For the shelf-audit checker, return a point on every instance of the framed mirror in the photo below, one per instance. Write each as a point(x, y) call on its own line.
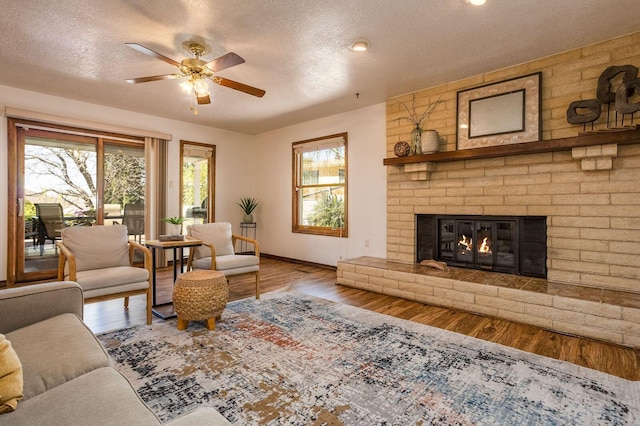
point(501, 113)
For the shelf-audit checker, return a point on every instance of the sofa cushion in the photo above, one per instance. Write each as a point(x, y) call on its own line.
point(100, 397)
point(97, 247)
point(55, 351)
point(219, 234)
point(10, 377)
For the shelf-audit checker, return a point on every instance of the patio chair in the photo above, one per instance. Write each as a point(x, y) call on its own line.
point(218, 252)
point(50, 223)
point(133, 219)
point(100, 260)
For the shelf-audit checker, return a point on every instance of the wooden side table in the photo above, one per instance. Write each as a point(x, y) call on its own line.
point(175, 246)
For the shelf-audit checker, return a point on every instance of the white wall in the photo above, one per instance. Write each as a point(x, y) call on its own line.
point(233, 152)
point(366, 129)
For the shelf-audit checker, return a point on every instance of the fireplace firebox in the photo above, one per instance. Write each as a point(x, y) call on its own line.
point(510, 244)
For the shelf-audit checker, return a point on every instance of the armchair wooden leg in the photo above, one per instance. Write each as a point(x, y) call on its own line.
point(126, 302)
point(149, 313)
point(257, 285)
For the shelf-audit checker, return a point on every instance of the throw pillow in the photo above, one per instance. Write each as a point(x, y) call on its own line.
point(10, 377)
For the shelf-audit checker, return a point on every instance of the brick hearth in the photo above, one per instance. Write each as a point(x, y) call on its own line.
point(599, 313)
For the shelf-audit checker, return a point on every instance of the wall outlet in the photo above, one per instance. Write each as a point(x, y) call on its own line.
point(366, 242)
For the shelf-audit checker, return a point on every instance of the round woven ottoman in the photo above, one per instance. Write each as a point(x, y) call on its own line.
point(200, 295)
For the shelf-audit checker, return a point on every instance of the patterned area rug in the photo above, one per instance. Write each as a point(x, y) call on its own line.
point(294, 359)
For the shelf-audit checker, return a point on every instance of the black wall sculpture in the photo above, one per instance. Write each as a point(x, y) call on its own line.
point(588, 111)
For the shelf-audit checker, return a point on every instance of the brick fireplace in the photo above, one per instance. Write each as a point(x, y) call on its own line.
point(585, 185)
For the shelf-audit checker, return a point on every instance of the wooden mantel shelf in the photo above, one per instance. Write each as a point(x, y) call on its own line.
point(626, 135)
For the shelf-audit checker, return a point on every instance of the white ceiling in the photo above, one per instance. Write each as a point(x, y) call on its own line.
point(296, 50)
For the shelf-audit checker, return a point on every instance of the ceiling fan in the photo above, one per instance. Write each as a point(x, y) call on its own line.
point(196, 71)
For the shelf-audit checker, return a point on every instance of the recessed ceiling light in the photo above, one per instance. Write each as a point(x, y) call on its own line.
point(476, 2)
point(360, 46)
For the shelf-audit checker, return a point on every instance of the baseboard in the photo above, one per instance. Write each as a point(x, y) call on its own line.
point(300, 262)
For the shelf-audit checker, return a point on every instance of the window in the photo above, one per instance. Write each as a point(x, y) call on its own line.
point(320, 186)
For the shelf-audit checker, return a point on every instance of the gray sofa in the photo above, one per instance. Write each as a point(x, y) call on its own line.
point(68, 376)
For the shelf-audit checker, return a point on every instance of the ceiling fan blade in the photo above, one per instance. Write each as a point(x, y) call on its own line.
point(146, 51)
point(225, 61)
point(153, 78)
point(239, 86)
point(203, 100)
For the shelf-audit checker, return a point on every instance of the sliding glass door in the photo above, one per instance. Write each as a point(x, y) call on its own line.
point(64, 180)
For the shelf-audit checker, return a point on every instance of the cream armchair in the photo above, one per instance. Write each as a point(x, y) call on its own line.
point(218, 252)
point(100, 260)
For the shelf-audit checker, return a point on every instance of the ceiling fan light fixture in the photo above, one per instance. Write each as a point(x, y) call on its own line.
point(360, 46)
point(187, 86)
point(201, 87)
point(196, 72)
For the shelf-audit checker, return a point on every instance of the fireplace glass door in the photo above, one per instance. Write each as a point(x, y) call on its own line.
point(465, 239)
point(505, 244)
point(485, 244)
point(510, 244)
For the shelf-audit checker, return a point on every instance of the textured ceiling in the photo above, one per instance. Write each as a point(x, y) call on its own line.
point(296, 50)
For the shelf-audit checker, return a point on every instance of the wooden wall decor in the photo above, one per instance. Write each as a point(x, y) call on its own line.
point(589, 110)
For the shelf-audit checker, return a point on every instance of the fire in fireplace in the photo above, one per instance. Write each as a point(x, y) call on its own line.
point(511, 244)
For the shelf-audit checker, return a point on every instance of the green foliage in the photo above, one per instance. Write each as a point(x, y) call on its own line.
point(124, 179)
point(174, 220)
point(328, 212)
point(248, 204)
point(29, 210)
point(188, 190)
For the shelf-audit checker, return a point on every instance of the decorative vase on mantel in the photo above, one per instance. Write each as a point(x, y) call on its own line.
point(430, 141)
point(416, 140)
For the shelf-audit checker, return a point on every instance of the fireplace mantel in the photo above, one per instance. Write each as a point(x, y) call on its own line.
point(626, 135)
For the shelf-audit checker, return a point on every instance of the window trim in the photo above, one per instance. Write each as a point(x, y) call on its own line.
point(306, 146)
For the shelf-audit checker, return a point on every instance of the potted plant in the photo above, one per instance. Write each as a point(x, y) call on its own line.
point(173, 225)
point(248, 205)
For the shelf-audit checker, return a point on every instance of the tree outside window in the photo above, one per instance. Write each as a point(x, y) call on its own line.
point(320, 186)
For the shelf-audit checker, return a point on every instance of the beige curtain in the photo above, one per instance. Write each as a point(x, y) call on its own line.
point(156, 181)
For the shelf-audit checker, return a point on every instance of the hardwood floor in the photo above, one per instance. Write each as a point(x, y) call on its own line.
point(318, 281)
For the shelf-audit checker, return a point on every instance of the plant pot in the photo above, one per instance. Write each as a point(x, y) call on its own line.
point(248, 218)
point(430, 141)
point(173, 229)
